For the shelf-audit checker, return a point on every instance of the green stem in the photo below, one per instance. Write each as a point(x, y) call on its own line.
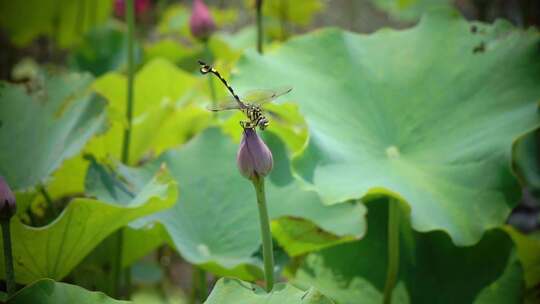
point(130, 75)
point(127, 279)
point(198, 285)
point(393, 250)
point(49, 200)
point(284, 19)
point(268, 257)
point(117, 264)
point(201, 284)
point(259, 26)
point(8, 257)
point(130, 18)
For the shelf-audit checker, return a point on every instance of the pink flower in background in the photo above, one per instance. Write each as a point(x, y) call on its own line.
point(201, 22)
point(141, 7)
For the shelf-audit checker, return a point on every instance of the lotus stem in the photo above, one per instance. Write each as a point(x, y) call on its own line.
point(268, 256)
point(8, 257)
point(393, 250)
point(260, 32)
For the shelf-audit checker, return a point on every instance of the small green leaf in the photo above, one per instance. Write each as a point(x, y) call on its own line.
point(239, 292)
point(53, 250)
point(47, 291)
point(42, 128)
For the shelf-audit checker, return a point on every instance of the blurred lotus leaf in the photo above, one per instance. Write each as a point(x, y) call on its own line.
point(47, 291)
point(54, 250)
point(163, 101)
point(45, 122)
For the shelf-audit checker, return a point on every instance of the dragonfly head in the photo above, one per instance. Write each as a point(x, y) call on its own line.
point(204, 68)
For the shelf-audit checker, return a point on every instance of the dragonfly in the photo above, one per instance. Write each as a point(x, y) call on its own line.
point(250, 104)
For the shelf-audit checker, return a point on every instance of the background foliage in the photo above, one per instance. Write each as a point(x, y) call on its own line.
point(433, 104)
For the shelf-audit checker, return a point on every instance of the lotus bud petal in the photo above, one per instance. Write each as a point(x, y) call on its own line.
point(201, 22)
point(7, 201)
point(254, 159)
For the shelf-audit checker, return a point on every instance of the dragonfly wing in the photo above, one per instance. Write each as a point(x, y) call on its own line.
point(225, 106)
point(264, 96)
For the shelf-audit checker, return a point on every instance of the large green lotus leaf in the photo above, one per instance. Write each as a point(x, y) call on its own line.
point(410, 10)
point(53, 250)
point(65, 21)
point(47, 291)
point(161, 102)
point(239, 292)
point(215, 221)
point(431, 267)
point(43, 127)
point(427, 115)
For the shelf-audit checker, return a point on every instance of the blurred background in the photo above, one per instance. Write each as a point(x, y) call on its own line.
point(90, 36)
point(60, 32)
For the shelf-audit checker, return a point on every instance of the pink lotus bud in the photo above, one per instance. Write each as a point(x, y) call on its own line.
point(201, 22)
point(7, 201)
point(254, 159)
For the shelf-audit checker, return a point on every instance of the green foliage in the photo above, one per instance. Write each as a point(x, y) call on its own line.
point(296, 12)
point(103, 49)
point(528, 249)
point(431, 267)
point(215, 220)
point(45, 123)
point(162, 101)
point(53, 250)
point(236, 291)
point(63, 21)
point(47, 291)
point(420, 115)
point(411, 10)
point(526, 162)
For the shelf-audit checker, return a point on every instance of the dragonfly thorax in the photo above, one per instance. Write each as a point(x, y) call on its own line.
point(255, 116)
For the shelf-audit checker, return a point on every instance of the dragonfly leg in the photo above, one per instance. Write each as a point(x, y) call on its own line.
point(247, 124)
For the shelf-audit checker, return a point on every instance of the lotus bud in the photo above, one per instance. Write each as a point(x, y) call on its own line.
point(7, 201)
point(201, 22)
point(254, 159)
